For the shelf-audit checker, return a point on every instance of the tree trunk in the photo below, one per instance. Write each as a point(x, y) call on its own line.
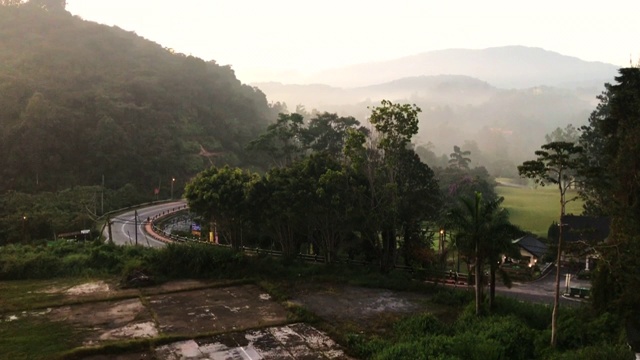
point(556, 297)
point(388, 250)
point(478, 278)
point(492, 285)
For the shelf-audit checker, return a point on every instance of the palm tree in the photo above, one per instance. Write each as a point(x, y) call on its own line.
point(485, 233)
point(458, 158)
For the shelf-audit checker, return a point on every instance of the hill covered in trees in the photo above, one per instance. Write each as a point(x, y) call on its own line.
point(79, 100)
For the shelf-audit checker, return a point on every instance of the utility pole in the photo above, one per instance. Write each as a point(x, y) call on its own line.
point(24, 228)
point(109, 225)
point(102, 197)
point(135, 220)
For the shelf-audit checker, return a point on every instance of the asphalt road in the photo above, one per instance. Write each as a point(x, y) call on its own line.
point(542, 290)
point(124, 230)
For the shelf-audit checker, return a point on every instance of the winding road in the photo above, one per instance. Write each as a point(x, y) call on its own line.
point(125, 232)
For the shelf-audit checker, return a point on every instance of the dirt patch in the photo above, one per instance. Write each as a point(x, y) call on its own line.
point(89, 288)
point(174, 286)
point(216, 309)
point(108, 320)
point(359, 304)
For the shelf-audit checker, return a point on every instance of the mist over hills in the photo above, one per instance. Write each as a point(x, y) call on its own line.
point(504, 67)
point(498, 102)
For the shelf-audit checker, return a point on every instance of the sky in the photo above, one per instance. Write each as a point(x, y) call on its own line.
point(287, 40)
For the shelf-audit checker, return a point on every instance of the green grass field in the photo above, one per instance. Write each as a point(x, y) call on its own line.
point(534, 209)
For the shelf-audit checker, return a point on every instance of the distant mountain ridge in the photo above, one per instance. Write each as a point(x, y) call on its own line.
point(439, 88)
point(505, 67)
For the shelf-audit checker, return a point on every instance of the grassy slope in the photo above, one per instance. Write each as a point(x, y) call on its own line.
point(534, 209)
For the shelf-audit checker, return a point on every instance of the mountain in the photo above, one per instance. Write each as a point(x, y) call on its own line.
point(440, 88)
point(505, 67)
point(79, 100)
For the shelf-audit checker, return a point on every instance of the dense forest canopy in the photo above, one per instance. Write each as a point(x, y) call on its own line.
point(80, 100)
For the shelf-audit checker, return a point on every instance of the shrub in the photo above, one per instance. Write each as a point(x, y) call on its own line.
point(453, 297)
point(195, 261)
point(605, 351)
point(536, 316)
point(76, 264)
point(365, 348)
point(419, 326)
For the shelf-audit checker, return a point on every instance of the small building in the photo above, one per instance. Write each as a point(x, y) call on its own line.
point(579, 235)
point(532, 250)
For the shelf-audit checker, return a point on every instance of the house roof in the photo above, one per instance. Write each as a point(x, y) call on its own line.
point(585, 228)
point(532, 245)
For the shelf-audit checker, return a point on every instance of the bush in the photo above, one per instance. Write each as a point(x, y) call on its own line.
point(453, 297)
point(474, 347)
point(419, 326)
point(365, 348)
point(536, 316)
point(76, 264)
point(195, 261)
point(578, 328)
point(606, 351)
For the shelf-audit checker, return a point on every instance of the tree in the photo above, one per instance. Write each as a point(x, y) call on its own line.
point(458, 159)
point(280, 201)
point(420, 203)
point(483, 229)
point(611, 186)
point(283, 141)
point(568, 134)
point(395, 125)
point(221, 196)
point(50, 5)
point(556, 164)
point(327, 133)
point(11, 2)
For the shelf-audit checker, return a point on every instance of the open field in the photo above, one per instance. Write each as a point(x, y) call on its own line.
point(534, 209)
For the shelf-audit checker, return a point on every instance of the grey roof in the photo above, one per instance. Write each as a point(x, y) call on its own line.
point(585, 228)
point(532, 245)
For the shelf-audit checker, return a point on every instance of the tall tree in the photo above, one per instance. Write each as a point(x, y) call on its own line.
point(459, 159)
point(556, 164)
point(395, 124)
point(419, 206)
point(612, 188)
point(483, 229)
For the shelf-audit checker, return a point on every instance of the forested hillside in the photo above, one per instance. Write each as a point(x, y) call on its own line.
point(80, 100)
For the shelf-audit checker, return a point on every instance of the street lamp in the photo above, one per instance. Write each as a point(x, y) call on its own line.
point(172, 181)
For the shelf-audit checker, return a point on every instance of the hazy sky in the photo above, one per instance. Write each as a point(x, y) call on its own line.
point(284, 40)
